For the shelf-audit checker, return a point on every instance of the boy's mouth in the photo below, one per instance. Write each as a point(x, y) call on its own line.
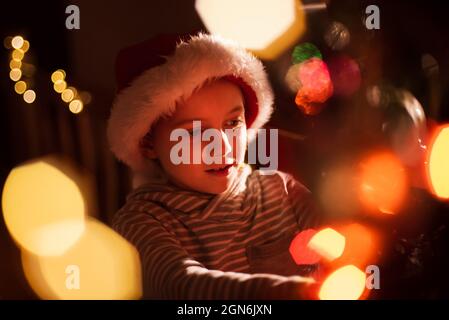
point(221, 171)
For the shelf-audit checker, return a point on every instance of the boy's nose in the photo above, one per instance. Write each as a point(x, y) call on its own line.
point(226, 147)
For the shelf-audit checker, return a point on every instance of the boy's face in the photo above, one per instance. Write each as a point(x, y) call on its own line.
point(218, 105)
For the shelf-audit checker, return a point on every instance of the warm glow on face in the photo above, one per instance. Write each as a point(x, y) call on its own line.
point(266, 27)
point(383, 183)
point(438, 163)
point(328, 243)
point(100, 265)
point(43, 208)
point(346, 283)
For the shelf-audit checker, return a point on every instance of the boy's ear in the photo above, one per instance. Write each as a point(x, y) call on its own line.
point(147, 147)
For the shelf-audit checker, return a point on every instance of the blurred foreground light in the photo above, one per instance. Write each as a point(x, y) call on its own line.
point(17, 42)
point(361, 245)
point(43, 207)
point(20, 87)
point(29, 96)
point(316, 86)
point(346, 283)
point(383, 183)
point(328, 243)
point(438, 163)
point(100, 265)
point(76, 106)
point(266, 27)
point(300, 251)
point(58, 75)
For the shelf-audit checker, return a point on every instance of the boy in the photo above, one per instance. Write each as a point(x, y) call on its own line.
point(208, 229)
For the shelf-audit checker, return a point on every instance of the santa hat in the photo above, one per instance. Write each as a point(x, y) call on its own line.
point(154, 75)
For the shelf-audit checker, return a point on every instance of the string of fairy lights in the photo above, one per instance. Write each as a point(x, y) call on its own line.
point(22, 74)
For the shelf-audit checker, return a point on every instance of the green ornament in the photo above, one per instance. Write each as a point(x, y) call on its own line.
point(304, 52)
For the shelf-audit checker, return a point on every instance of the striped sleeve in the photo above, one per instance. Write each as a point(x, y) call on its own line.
point(170, 273)
point(307, 213)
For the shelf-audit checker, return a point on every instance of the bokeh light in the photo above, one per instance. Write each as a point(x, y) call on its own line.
point(345, 75)
point(100, 265)
point(292, 78)
point(58, 75)
point(300, 251)
point(15, 64)
point(59, 86)
point(17, 42)
point(17, 54)
point(7, 42)
point(305, 51)
point(316, 86)
point(43, 207)
point(20, 87)
point(29, 96)
point(328, 243)
point(438, 163)
point(346, 283)
point(67, 95)
point(76, 106)
point(361, 246)
point(383, 183)
point(406, 128)
point(267, 28)
point(337, 36)
point(26, 46)
point(15, 74)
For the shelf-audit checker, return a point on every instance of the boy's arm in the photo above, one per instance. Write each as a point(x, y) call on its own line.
point(308, 214)
point(170, 273)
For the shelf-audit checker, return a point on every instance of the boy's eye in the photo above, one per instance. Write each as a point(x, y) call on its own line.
point(195, 131)
point(234, 123)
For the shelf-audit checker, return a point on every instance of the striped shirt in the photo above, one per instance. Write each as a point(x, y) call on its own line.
point(229, 246)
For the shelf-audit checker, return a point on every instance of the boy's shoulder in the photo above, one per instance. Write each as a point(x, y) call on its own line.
point(285, 181)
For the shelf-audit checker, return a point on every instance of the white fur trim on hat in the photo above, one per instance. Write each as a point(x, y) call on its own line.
point(156, 91)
